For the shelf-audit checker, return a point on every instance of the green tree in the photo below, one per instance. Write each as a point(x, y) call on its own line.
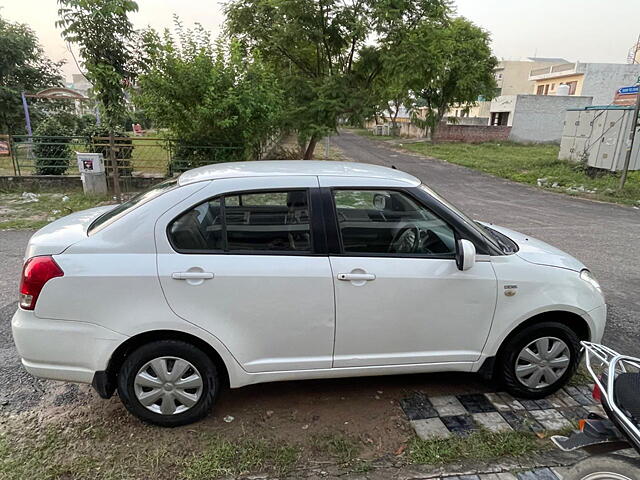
point(104, 34)
point(441, 67)
point(207, 94)
point(23, 68)
point(323, 53)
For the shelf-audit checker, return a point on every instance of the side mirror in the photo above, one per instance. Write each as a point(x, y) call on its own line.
point(465, 254)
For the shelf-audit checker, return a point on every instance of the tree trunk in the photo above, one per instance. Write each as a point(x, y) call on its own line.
point(308, 154)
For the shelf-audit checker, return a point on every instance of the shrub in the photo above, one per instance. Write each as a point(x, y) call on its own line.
point(51, 154)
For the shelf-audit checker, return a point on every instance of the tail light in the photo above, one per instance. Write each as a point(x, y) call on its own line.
point(596, 394)
point(36, 272)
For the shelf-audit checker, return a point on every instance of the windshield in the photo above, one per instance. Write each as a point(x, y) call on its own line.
point(139, 199)
point(472, 224)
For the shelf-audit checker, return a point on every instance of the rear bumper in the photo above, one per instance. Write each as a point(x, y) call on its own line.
point(63, 350)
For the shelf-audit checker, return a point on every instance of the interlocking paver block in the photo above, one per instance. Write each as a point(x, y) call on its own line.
point(529, 404)
point(597, 409)
point(522, 421)
point(512, 402)
point(489, 476)
point(587, 391)
point(459, 424)
point(498, 402)
point(469, 477)
point(538, 474)
point(551, 419)
point(578, 396)
point(430, 428)
point(447, 405)
point(574, 413)
point(492, 421)
point(565, 398)
point(418, 407)
point(544, 404)
point(507, 476)
point(476, 403)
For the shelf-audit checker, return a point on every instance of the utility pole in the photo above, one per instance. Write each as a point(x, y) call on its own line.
point(632, 136)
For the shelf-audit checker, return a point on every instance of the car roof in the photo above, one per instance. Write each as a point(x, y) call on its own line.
point(277, 168)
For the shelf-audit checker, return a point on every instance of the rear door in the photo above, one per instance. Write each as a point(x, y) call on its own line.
point(400, 299)
point(246, 261)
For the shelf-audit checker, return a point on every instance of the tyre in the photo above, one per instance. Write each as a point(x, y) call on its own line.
point(168, 383)
point(605, 467)
point(538, 360)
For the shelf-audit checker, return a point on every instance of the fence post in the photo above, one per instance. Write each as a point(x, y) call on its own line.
point(14, 156)
point(114, 165)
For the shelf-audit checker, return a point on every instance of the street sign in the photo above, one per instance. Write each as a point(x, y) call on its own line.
point(629, 90)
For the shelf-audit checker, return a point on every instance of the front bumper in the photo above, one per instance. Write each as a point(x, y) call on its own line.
point(61, 349)
point(597, 320)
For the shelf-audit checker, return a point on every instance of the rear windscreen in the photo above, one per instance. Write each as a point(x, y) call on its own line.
point(139, 199)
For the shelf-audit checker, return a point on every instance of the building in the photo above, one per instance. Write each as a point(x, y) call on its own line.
point(534, 118)
point(512, 78)
point(597, 80)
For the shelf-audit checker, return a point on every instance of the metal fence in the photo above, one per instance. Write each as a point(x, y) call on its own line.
point(133, 156)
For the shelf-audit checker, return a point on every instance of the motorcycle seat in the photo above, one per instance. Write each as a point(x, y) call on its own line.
point(626, 391)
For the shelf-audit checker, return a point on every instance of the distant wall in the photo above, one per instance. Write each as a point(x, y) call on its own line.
point(37, 183)
point(540, 118)
point(602, 80)
point(471, 133)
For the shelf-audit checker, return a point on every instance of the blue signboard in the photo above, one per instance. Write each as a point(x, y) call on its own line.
point(628, 90)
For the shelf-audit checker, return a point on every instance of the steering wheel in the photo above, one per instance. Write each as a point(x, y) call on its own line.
point(406, 240)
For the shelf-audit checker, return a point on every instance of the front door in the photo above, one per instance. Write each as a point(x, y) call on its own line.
point(400, 298)
point(242, 264)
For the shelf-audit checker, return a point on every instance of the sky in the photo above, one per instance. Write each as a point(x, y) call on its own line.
point(577, 30)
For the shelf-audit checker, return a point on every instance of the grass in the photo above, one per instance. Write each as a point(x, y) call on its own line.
point(531, 163)
point(18, 212)
point(223, 458)
point(479, 446)
point(368, 133)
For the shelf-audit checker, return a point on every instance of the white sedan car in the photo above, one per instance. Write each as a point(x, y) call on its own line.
point(243, 273)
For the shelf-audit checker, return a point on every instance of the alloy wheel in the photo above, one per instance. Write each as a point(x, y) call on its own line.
point(543, 362)
point(606, 476)
point(168, 385)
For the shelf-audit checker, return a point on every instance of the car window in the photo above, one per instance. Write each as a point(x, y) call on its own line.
point(261, 222)
point(390, 222)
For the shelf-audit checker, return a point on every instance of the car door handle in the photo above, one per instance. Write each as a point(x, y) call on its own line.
point(192, 275)
point(356, 277)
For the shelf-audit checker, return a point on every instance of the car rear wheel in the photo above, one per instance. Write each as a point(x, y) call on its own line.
point(168, 383)
point(539, 360)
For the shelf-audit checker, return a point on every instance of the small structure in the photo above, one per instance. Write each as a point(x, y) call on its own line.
point(534, 118)
point(598, 135)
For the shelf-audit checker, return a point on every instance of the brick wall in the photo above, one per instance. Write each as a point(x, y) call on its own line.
point(471, 133)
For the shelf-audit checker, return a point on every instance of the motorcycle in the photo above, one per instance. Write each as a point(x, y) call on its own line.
point(617, 388)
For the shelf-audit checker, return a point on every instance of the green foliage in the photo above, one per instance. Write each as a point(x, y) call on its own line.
point(103, 32)
point(208, 94)
point(23, 68)
point(71, 123)
point(51, 154)
point(443, 65)
point(325, 52)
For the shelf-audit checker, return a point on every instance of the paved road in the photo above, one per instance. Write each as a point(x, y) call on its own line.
point(605, 237)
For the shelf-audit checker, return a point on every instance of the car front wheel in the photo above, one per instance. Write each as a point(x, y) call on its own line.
point(539, 360)
point(168, 383)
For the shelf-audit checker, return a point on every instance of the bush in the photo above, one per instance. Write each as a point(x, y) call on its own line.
point(51, 154)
